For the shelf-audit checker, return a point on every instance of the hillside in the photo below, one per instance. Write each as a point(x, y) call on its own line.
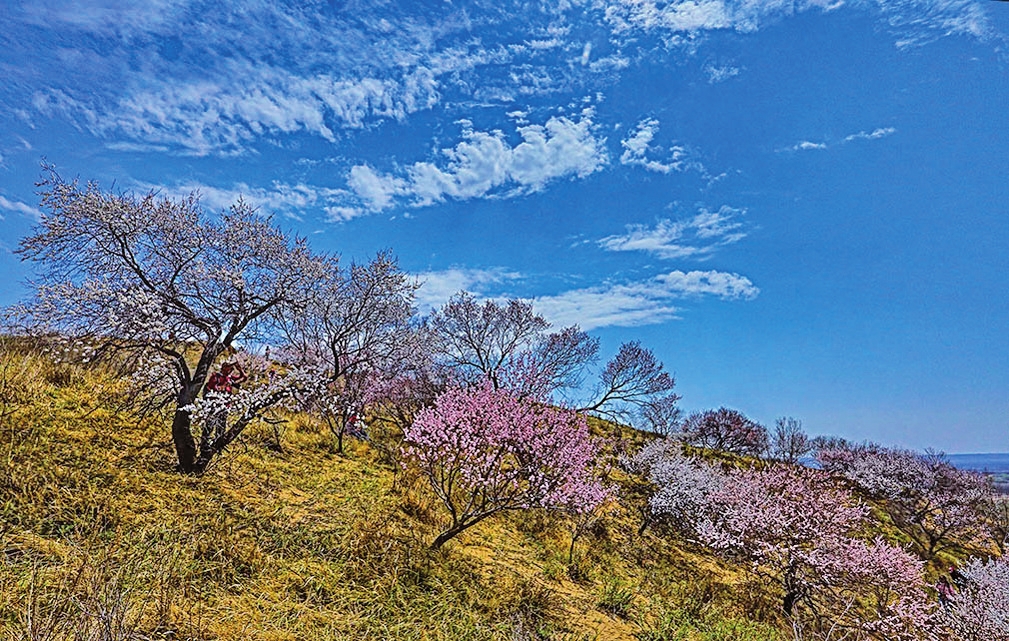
point(101, 538)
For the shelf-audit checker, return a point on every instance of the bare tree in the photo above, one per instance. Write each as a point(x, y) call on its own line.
point(788, 442)
point(152, 279)
point(635, 382)
point(508, 344)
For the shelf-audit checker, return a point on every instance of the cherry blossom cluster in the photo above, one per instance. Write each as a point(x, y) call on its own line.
point(683, 485)
point(935, 503)
point(483, 451)
point(979, 610)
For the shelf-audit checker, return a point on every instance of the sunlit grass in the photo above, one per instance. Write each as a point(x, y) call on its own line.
point(97, 531)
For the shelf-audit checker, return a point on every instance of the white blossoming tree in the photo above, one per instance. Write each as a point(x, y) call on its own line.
point(356, 334)
point(157, 279)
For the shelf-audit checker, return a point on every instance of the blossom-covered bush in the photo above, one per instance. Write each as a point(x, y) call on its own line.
point(933, 502)
point(683, 486)
point(484, 451)
point(979, 610)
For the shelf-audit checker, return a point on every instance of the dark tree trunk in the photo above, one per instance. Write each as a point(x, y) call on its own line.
point(788, 604)
point(458, 528)
point(185, 444)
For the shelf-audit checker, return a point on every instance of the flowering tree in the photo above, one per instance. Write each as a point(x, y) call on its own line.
point(979, 611)
point(153, 279)
point(355, 333)
point(484, 451)
point(683, 486)
point(726, 430)
point(936, 504)
point(795, 528)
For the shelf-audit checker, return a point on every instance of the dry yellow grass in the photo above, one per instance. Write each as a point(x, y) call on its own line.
point(97, 529)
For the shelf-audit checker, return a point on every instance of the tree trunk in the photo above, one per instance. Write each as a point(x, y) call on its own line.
point(448, 534)
point(788, 604)
point(182, 436)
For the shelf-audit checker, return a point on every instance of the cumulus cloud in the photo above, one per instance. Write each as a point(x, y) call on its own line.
point(484, 163)
point(638, 145)
point(19, 207)
point(640, 303)
point(696, 237)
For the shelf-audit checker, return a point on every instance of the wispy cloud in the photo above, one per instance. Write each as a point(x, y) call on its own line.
point(720, 73)
point(612, 304)
point(638, 145)
point(875, 134)
point(19, 207)
point(913, 22)
point(484, 164)
point(696, 237)
point(640, 303)
point(438, 286)
point(691, 16)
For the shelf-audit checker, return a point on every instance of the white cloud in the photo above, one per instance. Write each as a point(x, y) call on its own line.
point(913, 22)
point(875, 134)
point(287, 199)
point(696, 237)
point(222, 116)
point(484, 162)
point(639, 143)
point(690, 16)
point(721, 284)
point(376, 190)
point(627, 304)
point(438, 286)
point(806, 145)
point(720, 73)
point(339, 214)
point(20, 208)
point(639, 303)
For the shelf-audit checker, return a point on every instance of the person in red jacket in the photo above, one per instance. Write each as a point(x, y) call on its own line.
point(225, 381)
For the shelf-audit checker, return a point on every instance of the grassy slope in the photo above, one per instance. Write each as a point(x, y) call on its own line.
point(95, 527)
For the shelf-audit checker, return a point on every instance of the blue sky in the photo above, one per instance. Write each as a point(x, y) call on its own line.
point(800, 206)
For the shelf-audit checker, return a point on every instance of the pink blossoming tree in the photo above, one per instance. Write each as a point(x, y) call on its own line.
point(485, 451)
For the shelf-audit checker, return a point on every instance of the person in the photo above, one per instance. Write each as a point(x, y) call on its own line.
point(228, 379)
point(225, 381)
point(945, 590)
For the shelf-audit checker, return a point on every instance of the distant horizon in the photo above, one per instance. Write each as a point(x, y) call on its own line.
point(797, 206)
